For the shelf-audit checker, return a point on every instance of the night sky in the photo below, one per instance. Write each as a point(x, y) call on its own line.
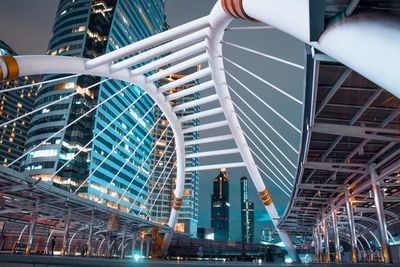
point(26, 27)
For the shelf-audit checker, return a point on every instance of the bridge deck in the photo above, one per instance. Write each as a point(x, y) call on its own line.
point(47, 261)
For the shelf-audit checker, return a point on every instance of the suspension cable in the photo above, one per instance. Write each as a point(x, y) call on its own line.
point(159, 177)
point(51, 104)
point(263, 102)
point(130, 157)
point(269, 178)
point(149, 176)
point(97, 135)
point(259, 149)
point(264, 55)
point(113, 149)
point(267, 148)
point(144, 162)
point(161, 189)
point(258, 115)
point(264, 81)
point(39, 83)
point(68, 125)
point(265, 156)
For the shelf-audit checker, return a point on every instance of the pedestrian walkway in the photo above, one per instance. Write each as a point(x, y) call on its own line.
point(48, 261)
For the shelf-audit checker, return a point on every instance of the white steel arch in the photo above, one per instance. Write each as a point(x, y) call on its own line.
point(341, 41)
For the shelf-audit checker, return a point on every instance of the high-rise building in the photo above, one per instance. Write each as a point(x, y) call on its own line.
point(247, 212)
point(12, 105)
point(162, 197)
point(90, 28)
point(220, 206)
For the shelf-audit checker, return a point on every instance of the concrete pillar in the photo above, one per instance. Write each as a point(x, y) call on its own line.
point(326, 240)
point(376, 188)
point(32, 225)
point(66, 232)
point(123, 245)
point(352, 227)
point(89, 241)
point(338, 256)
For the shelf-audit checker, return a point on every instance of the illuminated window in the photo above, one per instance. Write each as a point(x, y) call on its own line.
point(44, 153)
point(180, 227)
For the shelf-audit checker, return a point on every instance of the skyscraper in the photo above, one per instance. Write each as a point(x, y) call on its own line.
point(90, 28)
point(220, 206)
point(12, 105)
point(247, 212)
point(161, 198)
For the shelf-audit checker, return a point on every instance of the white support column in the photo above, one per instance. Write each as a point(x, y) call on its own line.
point(141, 247)
point(326, 240)
point(109, 244)
point(32, 225)
point(320, 246)
point(352, 227)
point(66, 232)
point(219, 20)
point(316, 244)
point(133, 244)
point(148, 248)
point(89, 241)
point(123, 245)
point(338, 256)
point(380, 212)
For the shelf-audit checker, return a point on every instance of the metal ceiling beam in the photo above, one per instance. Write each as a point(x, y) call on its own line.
point(342, 78)
point(336, 167)
point(351, 7)
point(380, 134)
point(320, 187)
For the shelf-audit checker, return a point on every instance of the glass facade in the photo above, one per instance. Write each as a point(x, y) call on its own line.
point(12, 105)
point(90, 28)
point(132, 21)
point(161, 202)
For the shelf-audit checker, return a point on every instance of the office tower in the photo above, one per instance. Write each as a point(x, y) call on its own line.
point(220, 206)
point(90, 28)
point(12, 105)
point(162, 197)
point(247, 212)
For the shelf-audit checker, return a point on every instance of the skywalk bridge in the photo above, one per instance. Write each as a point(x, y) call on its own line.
point(332, 145)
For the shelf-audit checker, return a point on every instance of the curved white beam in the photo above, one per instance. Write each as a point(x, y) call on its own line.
point(34, 65)
point(219, 21)
point(368, 43)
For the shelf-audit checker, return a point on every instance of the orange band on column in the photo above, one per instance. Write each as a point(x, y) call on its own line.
point(177, 203)
point(12, 67)
point(265, 197)
point(235, 9)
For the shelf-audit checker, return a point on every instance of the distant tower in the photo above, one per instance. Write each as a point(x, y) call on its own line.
point(220, 206)
point(247, 212)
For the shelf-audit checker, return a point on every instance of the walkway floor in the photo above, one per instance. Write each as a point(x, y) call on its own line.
point(48, 261)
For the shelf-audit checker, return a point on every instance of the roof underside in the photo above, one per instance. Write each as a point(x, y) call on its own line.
point(342, 144)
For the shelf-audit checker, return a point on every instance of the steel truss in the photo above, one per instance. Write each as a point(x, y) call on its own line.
point(344, 41)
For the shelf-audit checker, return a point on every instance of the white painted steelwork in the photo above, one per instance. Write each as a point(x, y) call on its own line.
point(344, 41)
